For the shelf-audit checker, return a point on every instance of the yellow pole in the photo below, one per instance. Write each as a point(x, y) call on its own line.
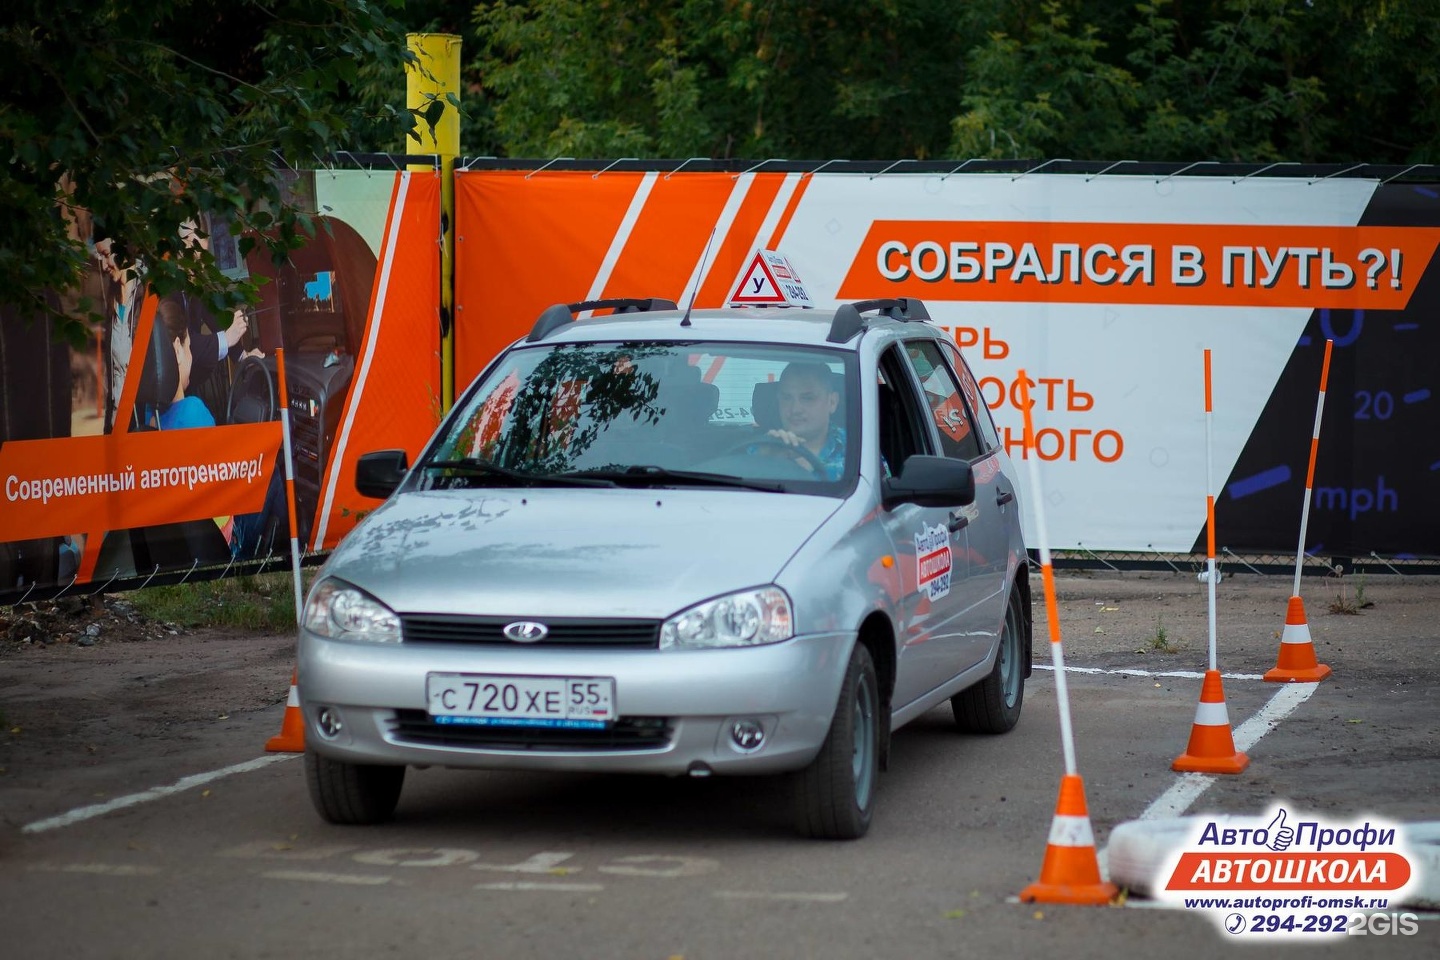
point(435, 78)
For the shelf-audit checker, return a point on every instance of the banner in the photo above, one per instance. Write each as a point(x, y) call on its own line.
point(156, 447)
point(1106, 289)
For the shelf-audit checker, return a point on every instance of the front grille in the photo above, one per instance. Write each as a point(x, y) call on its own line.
point(626, 733)
point(564, 631)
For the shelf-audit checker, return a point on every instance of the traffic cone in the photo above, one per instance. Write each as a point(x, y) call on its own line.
point(1212, 748)
point(1071, 871)
point(1297, 663)
point(291, 738)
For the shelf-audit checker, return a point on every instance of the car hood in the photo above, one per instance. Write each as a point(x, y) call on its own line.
point(573, 552)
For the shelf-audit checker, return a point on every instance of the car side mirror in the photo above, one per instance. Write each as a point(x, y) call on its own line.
point(930, 482)
point(378, 473)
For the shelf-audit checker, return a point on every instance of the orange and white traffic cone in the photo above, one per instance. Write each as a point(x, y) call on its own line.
point(1297, 663)
point(1071, 871)
point(291, 738)
point(1212, 748)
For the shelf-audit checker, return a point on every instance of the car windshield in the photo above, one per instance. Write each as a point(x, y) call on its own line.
point(745, 415)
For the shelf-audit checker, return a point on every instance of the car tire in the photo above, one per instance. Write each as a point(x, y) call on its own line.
point(352, 793)
point(993, 704)
point(835, 794)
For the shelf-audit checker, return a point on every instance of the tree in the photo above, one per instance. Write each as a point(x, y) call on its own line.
point(1228, 80)
point(733, 78)
point(148, 123)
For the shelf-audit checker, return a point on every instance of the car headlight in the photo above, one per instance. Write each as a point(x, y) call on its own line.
point(745, 619)
point(340, 611)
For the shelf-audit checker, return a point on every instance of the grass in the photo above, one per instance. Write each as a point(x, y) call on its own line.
point(1343, 603)
point(262, 601)
point(1160, 642)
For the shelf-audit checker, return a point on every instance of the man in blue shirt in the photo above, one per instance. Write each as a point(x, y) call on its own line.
point(807, 399)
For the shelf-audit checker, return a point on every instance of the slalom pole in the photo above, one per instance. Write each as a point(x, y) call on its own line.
point(1310, 473)
point(1297, 662)
point(289, 478)
point(1047, 575)
point(1212, 746)
point(1211, 575)
point(1070, 872)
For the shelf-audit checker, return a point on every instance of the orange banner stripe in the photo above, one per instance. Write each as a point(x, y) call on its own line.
point(110, 482)
point(670, 236)
point(1141, 263)
point(734, 251)
point(778, 237)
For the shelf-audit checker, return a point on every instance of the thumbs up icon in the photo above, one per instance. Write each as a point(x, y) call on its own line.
point(1280, 834)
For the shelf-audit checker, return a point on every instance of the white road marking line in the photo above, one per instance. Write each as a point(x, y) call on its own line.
point(315, 876)
point(1186, 790)
point(546, 861)
point(1280, 706)
point(528, 885)
point(102, 869)
point(790, 897)
point(276, 850)
point(1189, 787)
point(154, 793)
point(1132, 672)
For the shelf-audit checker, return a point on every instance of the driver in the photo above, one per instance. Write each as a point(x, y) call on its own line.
point(807, 399)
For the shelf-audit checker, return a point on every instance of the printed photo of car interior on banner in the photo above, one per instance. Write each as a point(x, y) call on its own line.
point(156, 447)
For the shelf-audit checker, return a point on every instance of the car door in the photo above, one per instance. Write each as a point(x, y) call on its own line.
point(995, 535)
point(967, 624)
point(925, 547)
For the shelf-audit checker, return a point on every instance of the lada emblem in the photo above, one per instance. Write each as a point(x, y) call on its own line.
point(526, 631)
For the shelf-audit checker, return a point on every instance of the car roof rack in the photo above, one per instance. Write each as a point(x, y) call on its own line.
point(554, 317)
point(848, 320)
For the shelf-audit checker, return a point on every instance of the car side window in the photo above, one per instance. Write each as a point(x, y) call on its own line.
point(958, 437)
point(989, 436)
point(901, 424)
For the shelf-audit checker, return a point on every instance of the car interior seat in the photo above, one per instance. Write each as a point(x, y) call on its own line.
point(688, 403)
point(159, 379)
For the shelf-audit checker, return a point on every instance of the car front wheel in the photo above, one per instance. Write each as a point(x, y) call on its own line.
point(835, 794)
point(993, 704)
point(352, 793)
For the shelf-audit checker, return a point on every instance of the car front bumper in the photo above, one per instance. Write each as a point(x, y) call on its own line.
point(377, 691)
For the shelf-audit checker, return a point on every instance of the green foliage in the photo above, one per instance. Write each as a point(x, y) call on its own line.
point(682, 78)
point(1160, 642)
point(139, 119)
point(263, 601)
point(1229, 80)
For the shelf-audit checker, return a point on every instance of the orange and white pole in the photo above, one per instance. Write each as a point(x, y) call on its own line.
point(1211, 576)
point(1212, 746)
point(1070, 872)
point(289, 477)
point(1047, 576)
point(1310, 473)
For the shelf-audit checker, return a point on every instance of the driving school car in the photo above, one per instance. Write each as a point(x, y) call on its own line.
point(741, 541)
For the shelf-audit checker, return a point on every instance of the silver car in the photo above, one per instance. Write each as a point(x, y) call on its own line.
point(745, 541)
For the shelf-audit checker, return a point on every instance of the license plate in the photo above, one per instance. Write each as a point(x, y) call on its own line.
point(482, 700)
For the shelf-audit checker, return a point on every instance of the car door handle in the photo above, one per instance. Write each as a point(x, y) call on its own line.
point(958, 521)
point(1003, 497)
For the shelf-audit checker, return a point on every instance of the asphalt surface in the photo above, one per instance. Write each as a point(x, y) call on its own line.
point(492, 865)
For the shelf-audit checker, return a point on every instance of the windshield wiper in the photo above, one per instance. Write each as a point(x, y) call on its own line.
point(486, 468)
point(649, 475)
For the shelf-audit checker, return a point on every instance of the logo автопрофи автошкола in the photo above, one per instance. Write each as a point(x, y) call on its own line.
point(1292, 876)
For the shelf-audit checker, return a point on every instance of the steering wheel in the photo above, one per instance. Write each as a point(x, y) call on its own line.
point(252, 396)
point(804, 453)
